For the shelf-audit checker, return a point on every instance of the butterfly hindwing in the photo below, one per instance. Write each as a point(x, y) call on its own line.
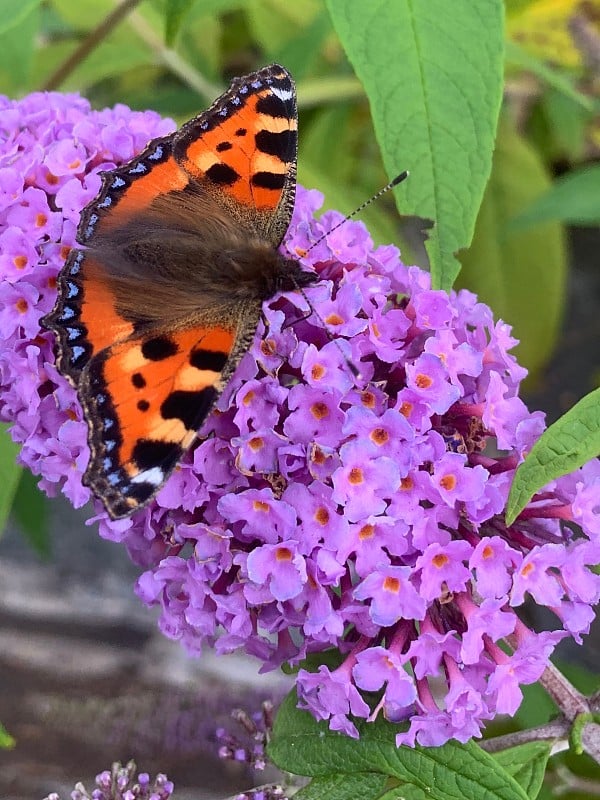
point(149, 396)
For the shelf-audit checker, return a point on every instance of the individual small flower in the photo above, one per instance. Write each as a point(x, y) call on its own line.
point(122, 783)
point(349, 491)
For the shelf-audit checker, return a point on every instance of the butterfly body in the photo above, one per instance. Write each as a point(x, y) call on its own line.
point(179, 250)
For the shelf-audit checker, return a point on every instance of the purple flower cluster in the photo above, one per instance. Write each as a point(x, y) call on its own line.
point(122, 783)
point(319, 510)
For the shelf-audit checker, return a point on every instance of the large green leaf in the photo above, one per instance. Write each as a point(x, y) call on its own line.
point(566, 445)
point(10, 473)
point(303, 746)
point(521, 274)
point(527, 764)
point(366, 786)
point(433, 74)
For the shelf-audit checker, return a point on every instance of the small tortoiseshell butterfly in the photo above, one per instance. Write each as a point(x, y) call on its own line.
point(179, 251)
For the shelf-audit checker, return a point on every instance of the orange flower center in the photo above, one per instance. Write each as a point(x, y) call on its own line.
point(448, 482)
point(379, 436)
point(322, 515)
point(423, 381)
point(319, 410)
point(366, 532)
point(356, 476)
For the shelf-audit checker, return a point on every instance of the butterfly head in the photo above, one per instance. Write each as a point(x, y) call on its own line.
point(261, 271)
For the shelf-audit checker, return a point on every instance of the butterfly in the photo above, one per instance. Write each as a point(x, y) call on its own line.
point(161, 301)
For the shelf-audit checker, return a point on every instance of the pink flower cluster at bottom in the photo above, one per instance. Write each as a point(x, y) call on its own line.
point(319, 510)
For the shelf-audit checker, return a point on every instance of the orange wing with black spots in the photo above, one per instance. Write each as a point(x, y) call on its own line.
point(148, 397)
point(243, 150)
point(157, 307)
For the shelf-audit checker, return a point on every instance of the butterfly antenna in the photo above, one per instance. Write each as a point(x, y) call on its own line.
point(398, 179)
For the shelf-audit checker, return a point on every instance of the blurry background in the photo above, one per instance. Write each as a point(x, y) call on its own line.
point(84, 676)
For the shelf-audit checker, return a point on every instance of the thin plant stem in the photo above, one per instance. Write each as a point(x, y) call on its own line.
point(95, 37)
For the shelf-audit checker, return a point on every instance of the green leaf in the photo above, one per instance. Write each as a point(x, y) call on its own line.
point(344, 787)
point(517, 56)
point(568, 125)
point(30, 511)
point(174, 15)
point(521, 274)
point(17, 47)
point(433, 74)
point(274, 24)
point(10, 473)
point(566, 445)
point(300, 53)
point(527, 764)
point(176, 11)
point(6, 740)
point(14, 13)
point(574, 199)
point(455, 771)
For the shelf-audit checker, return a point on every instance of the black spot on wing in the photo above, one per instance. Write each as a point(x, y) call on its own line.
point(268, 180)
point(138, 380)
point(159, 348)
point(241, 132)
point(277, 144)
point(189, 407)
point(222, 174)
point(149, 453)
point(222, 146)
point(271, 104)
point(140, 492)
point(143, 405)
point(213, 360)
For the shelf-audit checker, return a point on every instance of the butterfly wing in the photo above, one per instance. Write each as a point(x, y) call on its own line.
point(87, 317)
point(243, 150)
point(148, 396)
point(156, 226)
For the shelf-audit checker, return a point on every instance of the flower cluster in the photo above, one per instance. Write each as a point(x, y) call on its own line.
point(319, 509)
point(122, 783)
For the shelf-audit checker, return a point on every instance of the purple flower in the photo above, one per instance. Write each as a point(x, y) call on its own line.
point(123, 783)
point(317, 510)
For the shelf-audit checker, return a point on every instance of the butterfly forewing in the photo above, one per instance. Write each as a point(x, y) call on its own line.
point(243, 150)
